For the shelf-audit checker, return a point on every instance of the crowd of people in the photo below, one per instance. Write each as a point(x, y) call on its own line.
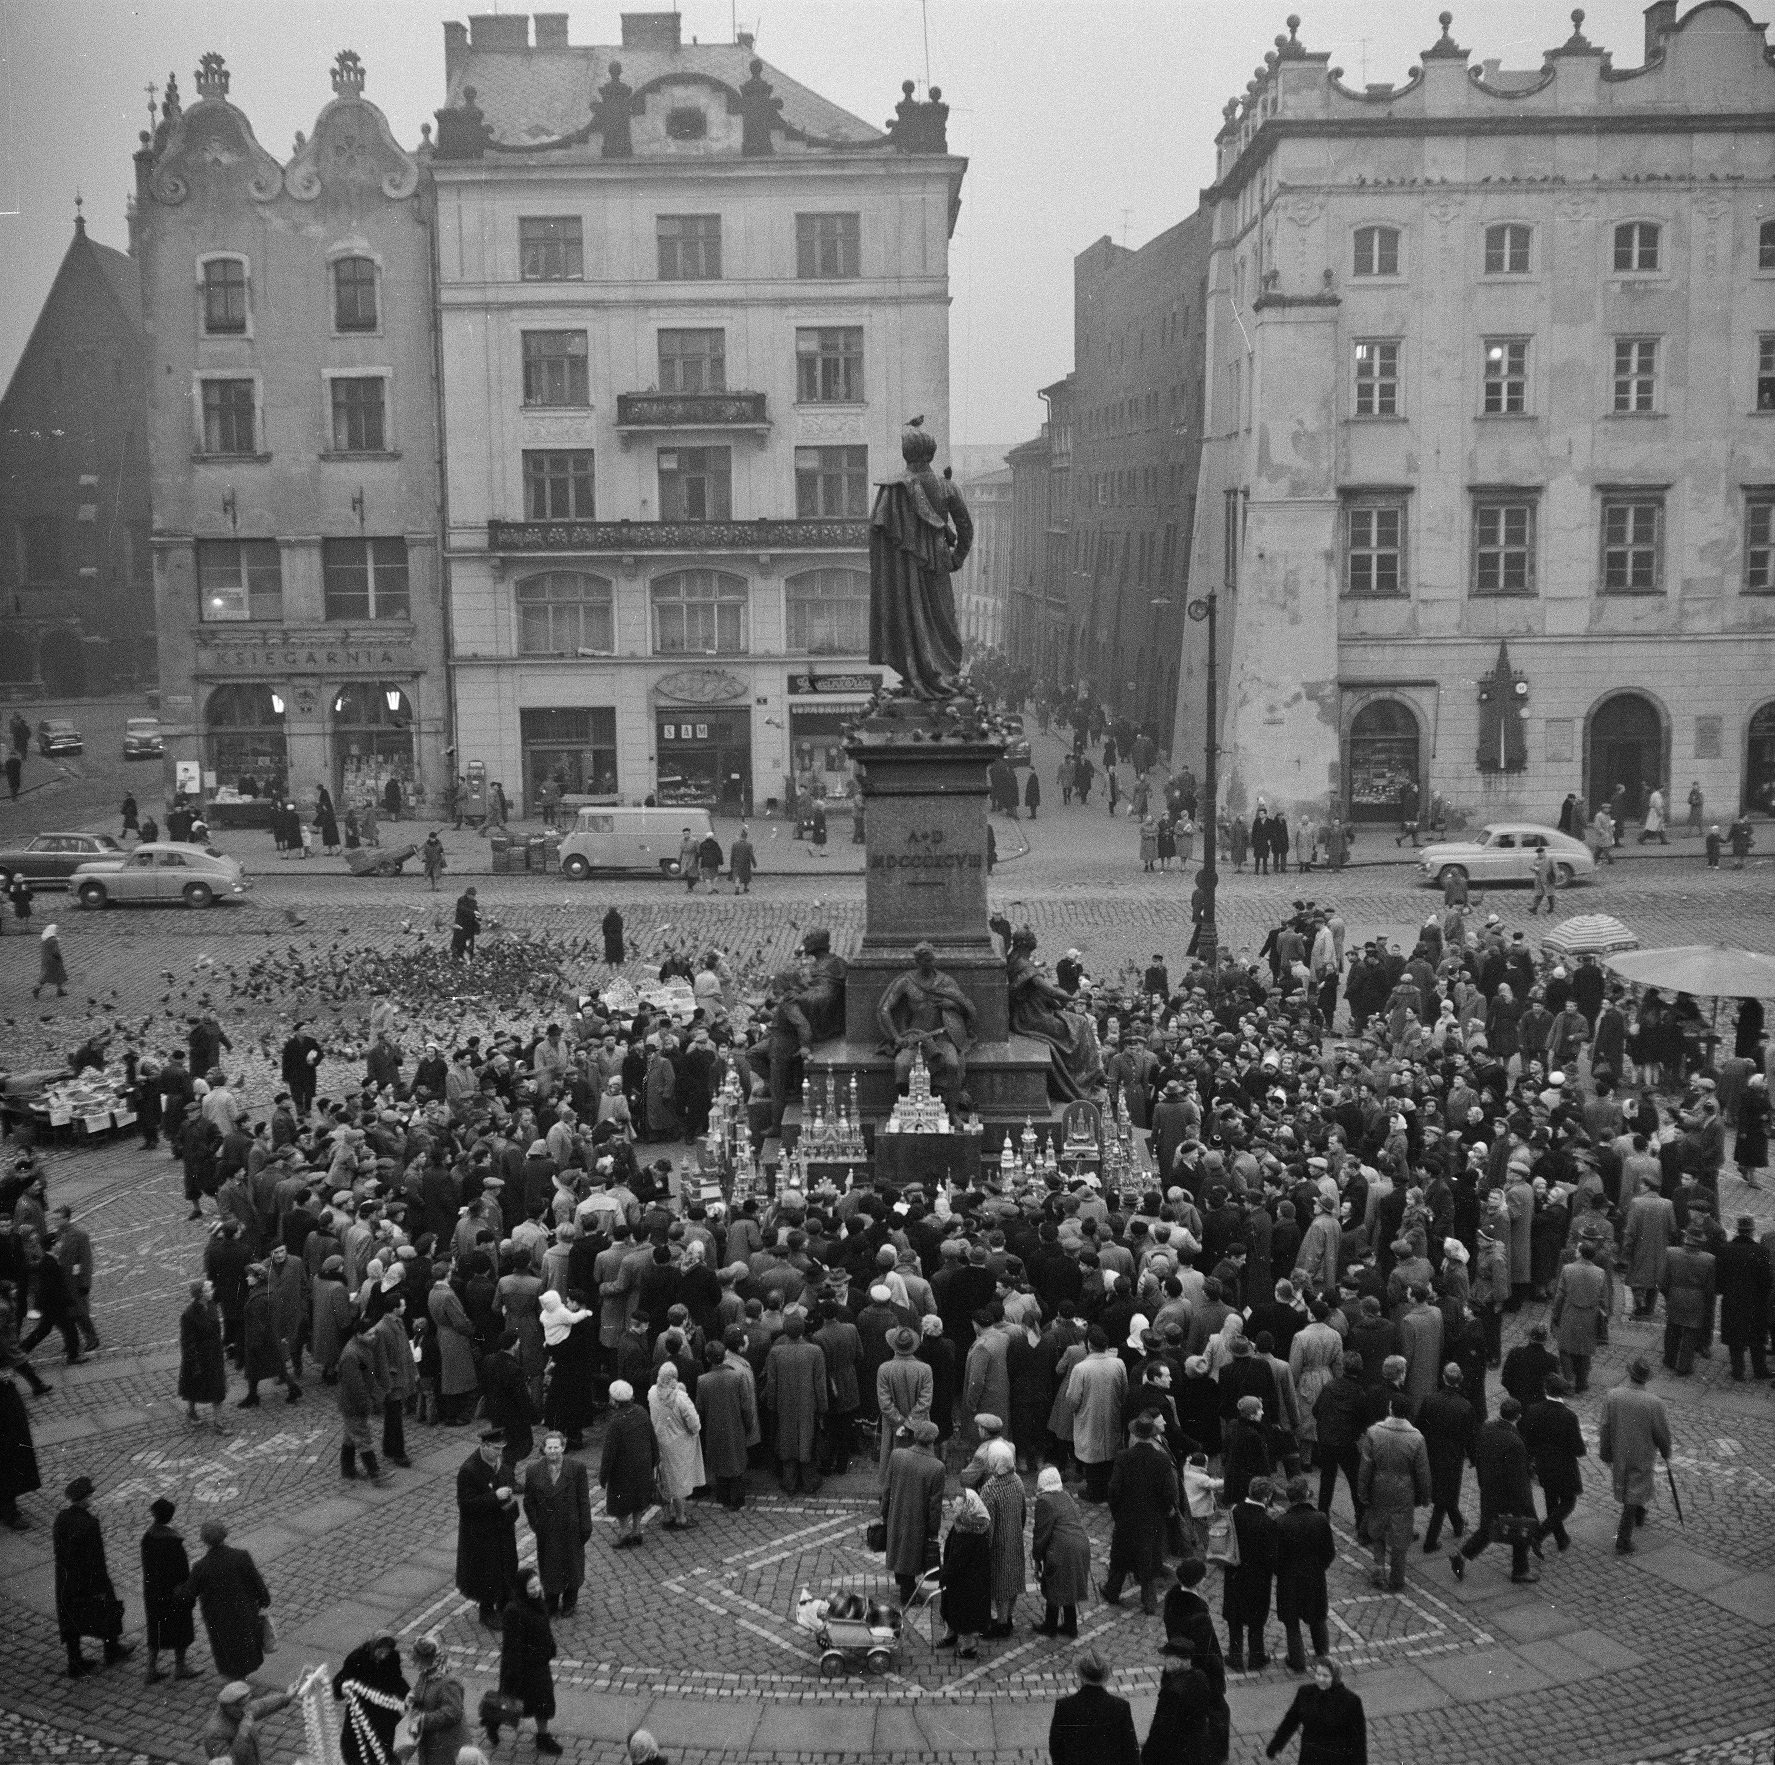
point(1359, 1164)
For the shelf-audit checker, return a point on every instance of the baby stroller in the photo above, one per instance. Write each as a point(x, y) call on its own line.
point(851, 1631)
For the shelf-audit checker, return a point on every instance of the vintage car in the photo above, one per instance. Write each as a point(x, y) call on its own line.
point(51, 858)
point(163, 871)
point(1504, 851)
point(56, 735)
point(142, 740)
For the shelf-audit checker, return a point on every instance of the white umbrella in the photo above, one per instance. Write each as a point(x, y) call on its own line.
point(1712, 970)
point(1596, 932)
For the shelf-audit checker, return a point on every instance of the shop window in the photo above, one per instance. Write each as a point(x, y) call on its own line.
point(566, 613)
point(239, 579)
point(372, 741)
point(1384, 758)
point(700, 613)
point(576, 747)
point(365, 578)
point(831, 483)
point(829, 613)
point(244, 739)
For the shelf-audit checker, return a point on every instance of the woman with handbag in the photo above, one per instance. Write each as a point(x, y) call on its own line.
point(233, 1597)
point(526, 1686)
point(432, 1731)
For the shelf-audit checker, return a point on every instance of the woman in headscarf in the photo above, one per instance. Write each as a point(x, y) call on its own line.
point(1002, 1493)
point(1198, 1404)
point(526, 1646)
point(676, 1426)
point(966, 1576)
point(374, 1690)
point(51, 970)
point(1219, 1351)
point(1062, 1551)
point(613, 1107)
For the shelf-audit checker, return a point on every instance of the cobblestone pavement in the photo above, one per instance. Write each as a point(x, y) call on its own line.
point(1607, 1660)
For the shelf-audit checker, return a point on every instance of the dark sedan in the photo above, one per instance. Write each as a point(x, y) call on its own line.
point(51, 858)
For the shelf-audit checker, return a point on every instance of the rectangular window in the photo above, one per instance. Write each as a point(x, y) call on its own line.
point(354, 294)
point(1766, 373)
point(1506, 376)
point(558, 484)
point(1374, 547)
point(689, 247)
point(228, 423)
point(1506, 250)
point(695, 484)
point(831, 483)
point(1759, 543)
point(1636, 375)
point(550, 249)
point(828, 246)
point(574, 747)
point(829, 365)
point(239, 579)
point(359, 424)
point(564, 612)
point(1377, 251)
point(365, 578)
point(693, 361)
point(828, 613)
point(1632, 545)
point(1636, 245)
point(1377, 379)
point(224, 297)
point(555, 368)
point(1766, 246)
point(1504, 546)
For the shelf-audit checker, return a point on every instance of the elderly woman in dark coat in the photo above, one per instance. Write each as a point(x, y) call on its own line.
point(166, 1569)
point(231, 1594)
point(631, 1455)
point(526, 1647)
point(1061, 1548)
point(966, 1576)
point(203, 1368)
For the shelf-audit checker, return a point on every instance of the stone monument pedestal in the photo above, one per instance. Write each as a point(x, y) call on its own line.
point(925, 805)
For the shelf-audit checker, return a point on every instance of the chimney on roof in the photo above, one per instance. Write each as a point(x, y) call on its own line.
point(455, 45)
point(650, 30)
point(744, 39)
point(488, 30)
point(1660, 22)
point(551, 30)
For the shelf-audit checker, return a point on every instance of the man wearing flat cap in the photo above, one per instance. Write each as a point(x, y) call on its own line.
point(85, 1602)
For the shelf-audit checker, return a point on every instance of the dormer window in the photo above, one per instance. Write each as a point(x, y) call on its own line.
point(686, 123)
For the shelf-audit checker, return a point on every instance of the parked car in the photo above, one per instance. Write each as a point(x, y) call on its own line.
point(56, 735)
point(1505, 851)
point(163, 871)
point(52, 858)
point(142, 739)
point(1016, 742)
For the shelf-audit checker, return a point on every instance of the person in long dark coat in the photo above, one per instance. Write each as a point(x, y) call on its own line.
point(1750, 1150)
point(611, 926)
point(1060, 1547)
point(558, 1505)
point(486, 1528)
point(1093, 1726)
point(1031, 1374)
point(1143, 1493)
point(165, 1569)
point(728, 1412)
point(374, 1690)
point(1181, 1726)
point(965, 1577)
point(1245, 1603)
point(795, 1384)
point(265, 1356)
point(1555, 1443)
point(203, 1367)
point(525, 1651)
point(1451, 1432)
point(1742, 1272)
point(912, 1504)
point(228, 1589)
point(1333, 1726)
point(86, 1604)
point(18, 1452)
point(1501, 1459)
point(626, 1471)
point(1305, 1550)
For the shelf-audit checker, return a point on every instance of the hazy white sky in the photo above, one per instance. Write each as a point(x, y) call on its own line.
point(1079, 117)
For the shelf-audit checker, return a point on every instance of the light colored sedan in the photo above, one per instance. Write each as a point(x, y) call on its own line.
point(163, 872)
point(1504, 851)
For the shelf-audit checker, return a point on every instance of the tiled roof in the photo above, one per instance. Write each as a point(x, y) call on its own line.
point(123, 273)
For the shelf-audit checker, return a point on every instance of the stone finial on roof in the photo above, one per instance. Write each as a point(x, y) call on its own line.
point(212, 76)
point(1291, 48)
point(348, 74)
point(170, 107)
point(1577, 43)
point(1445, 48)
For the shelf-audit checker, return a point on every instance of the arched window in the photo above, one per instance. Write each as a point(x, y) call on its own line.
point(700, 613)
point(1384, 758)
point(565, 613)
point(829, 613)
point(372, 741)
point(1759, 767)
point(244, 738)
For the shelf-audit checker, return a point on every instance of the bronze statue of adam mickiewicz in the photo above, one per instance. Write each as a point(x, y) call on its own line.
point(925, 1008)
point(919, 533)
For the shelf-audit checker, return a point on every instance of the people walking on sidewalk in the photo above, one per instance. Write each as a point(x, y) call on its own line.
point(1635, 1433)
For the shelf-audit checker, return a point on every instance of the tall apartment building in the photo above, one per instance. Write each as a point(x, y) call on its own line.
point(1490, 472)
point(686, 305)
point(982, 585)
point(1134, 401)
point(292, 411)
point(76, 583)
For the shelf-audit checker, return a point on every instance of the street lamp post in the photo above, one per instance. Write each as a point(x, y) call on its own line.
point(1208, 939)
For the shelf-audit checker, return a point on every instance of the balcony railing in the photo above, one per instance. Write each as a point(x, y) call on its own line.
point(642, 412)
point(677, 536)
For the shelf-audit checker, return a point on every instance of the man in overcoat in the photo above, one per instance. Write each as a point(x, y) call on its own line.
point(1305, 1550)
point(1450, 1428)
point(1143, 1494)
point(1744, 1276)
point(86, 1604)
point(1555, 1443)
point(165, 1569)
point(1394, 1479)
point(1245, 1602)
point(1501, 1460)
point(795, 1395)
point(558, 1506)
point(912, 1503)
point(1580, 1302)
point(231, 1593)
point(728, 1410)
point(1635, 1432)
point(486, 1528)
point(1093, 1726)
point(1688, 1300)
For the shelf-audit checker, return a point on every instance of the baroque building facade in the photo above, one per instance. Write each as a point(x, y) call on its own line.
point(76, 581)
point(1489, 481)
point(982, 584)
point(292, 406)
point(685, 306)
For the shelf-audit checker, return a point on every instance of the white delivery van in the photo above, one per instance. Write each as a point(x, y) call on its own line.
point(619, 839)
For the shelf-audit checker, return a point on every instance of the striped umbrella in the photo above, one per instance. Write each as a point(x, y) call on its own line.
point(1600, 933)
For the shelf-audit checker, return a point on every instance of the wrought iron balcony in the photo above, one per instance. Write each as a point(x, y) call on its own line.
point(506, 537)
point(644, 413)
